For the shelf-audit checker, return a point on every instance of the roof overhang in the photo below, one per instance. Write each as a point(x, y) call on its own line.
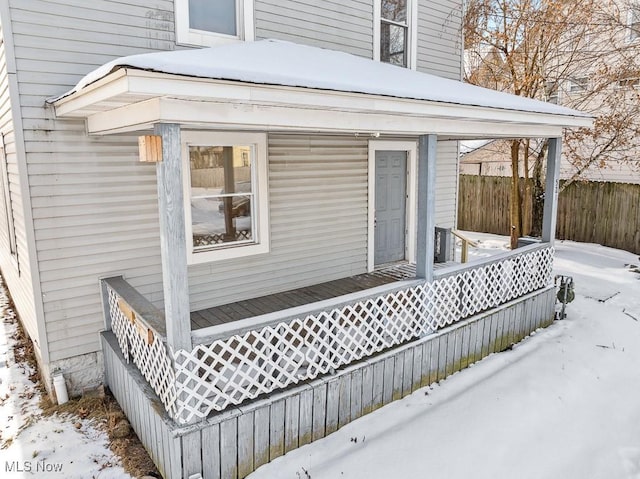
point(133, 99)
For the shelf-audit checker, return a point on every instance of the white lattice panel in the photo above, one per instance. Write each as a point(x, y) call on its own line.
point(212, 377)
point(232, 370)
point(153, 360)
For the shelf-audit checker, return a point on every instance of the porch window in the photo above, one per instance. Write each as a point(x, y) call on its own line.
point(225, 198)
point(207, 23)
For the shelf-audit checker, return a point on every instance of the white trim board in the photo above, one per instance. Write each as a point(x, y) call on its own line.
point(108, 101)
point(411, 147)
point(232, 116)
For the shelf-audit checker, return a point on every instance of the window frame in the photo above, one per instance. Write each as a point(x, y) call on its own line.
point(202, 38)
point(260, 206)
point(412, 32)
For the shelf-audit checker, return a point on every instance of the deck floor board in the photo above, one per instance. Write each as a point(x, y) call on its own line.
point(298, 297)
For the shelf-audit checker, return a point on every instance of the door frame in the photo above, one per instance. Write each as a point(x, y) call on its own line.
point(411, 147)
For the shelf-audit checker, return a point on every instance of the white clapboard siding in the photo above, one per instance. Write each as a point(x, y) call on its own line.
point(15, 268)
point(94, 205)
point(338, 25)
point(318, 197)
point(446, 183)
point(440, 37)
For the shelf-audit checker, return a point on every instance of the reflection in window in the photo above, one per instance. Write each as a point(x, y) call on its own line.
point(218, 16)
point(222, 196)
point(394, 30)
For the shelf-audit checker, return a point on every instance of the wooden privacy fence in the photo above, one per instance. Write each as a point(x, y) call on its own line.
point(590, 212)
point(603, 213)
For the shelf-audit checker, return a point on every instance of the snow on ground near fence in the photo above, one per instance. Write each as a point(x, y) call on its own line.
point(564, 403)
point(32, 445)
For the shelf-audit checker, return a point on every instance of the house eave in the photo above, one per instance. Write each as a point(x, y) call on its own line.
point(132, 100)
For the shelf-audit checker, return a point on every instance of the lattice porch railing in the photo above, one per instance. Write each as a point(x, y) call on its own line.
point(139, 328)
point(243, 366)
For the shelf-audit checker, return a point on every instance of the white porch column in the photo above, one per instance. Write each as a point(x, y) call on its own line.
point(551, 190)
point(426, 206)
point(173, 246)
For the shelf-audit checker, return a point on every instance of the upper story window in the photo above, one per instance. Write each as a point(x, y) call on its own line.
point(633, 23)
point(225, 193)
point(209, 23)
point(629, 82)
point(394, 26)
point(578, 84)
point(394, 30)
point(551, 91)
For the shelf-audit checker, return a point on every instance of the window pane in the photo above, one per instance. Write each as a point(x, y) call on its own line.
point(221, 194)
point(394, 10)
point(217, 16)
point(578, 84)
point(393, 41)
point(220, 169)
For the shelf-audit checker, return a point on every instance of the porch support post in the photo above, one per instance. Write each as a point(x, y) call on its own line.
point(426, 206)
point(551, 190)
point(172, 238)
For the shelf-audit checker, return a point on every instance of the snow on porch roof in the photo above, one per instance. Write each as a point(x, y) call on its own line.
point(276, 62)
point(272, 85)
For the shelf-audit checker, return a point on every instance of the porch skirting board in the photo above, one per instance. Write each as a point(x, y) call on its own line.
point(235, 442)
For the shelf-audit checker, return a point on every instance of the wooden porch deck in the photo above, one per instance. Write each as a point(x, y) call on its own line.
point(227, 313)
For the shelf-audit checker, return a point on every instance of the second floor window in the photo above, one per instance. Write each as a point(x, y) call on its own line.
point(394, 32)
point(551, 91)
point(214, 17)
point(578, 84)
point(209, 23)
point(633, 23)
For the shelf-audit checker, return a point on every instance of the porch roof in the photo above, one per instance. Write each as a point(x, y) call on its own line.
point(277, 85)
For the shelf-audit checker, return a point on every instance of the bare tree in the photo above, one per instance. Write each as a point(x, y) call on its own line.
point(576, 53)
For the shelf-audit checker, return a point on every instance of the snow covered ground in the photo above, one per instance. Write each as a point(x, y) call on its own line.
point(33, 445)
point(564, 403)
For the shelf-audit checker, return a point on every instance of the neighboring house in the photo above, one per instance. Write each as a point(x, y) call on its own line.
point(603, 79)
point(493, 158)
point(487, 158)
point(279, 233)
